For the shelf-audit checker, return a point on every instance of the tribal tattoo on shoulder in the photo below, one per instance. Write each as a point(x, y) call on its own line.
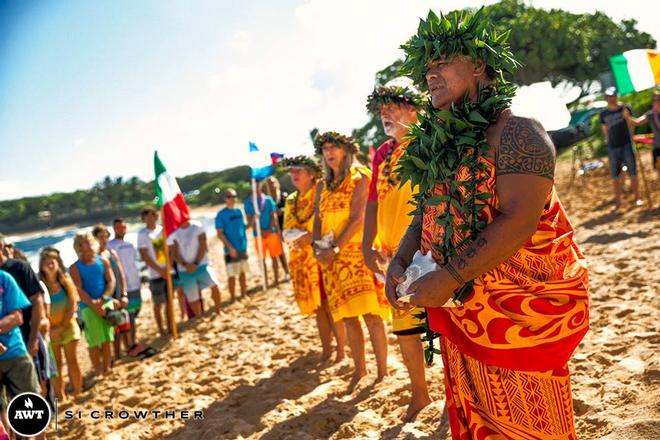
point(525, 148)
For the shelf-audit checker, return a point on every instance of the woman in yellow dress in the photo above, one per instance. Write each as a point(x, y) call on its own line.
point(352, 290)
point(305, 270)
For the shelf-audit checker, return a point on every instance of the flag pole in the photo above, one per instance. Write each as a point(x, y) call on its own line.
point(257, 226)
point(170, 290)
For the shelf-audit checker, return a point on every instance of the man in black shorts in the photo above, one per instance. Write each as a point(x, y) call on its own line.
point(617, 124)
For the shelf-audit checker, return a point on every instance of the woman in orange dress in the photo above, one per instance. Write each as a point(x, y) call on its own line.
point(305, 270)
point(352, 289)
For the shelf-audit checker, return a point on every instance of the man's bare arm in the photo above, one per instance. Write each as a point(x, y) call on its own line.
point(525, 172)
point(370, 225)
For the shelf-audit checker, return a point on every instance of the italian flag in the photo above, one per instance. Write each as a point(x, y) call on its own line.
point(636, 70)
point(170, 198)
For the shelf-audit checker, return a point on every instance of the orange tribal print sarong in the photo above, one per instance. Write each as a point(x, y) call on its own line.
point(304, 269)
point(351, 287)
point(530, 312)
point(393, 220)
point(488, 403)
point(506, 349)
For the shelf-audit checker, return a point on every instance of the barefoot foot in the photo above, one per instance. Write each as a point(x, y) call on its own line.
point(416, 405)
point(355, 380)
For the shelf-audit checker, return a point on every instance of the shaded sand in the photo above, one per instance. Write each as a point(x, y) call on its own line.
point(255, 371)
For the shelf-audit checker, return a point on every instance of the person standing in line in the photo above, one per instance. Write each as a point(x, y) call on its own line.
point(190, 251)
point(17, 371)
point(64, 330)
point(353, 291)
point(271, 187)
point(120, 297)
point(95, 282)
point(33, 317)
point(230, 227)
point(152, 248)
point(271, 242)
point(305, 270)
point(128, 256)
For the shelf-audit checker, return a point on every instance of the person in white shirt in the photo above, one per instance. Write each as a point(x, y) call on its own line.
point(128, 257)
point(191, 254)
point(152, 248)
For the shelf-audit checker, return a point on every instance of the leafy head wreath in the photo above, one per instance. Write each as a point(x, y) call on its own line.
point(334, 138)
point(457, 33)
point(400, 90)
point(302, 161)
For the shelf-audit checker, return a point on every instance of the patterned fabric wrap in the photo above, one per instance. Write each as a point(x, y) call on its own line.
point(530, 312)
point(351, 287)
point(487, 402)
point(393, 220)
point(303, 267)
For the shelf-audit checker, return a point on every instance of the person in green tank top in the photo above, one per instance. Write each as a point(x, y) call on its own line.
point(64, 329)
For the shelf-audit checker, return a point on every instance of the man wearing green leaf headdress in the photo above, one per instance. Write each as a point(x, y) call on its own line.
point(509, 298)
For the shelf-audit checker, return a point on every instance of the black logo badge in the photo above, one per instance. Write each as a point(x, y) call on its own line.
point(28, 414)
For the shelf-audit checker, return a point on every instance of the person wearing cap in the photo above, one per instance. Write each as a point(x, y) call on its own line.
point(652, 117)
point(617, 124)
point(352, 289)
point(305, 270)
point(386, 220)
point(509, 295)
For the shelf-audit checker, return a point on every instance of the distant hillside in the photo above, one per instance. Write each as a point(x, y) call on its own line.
point(113, 197)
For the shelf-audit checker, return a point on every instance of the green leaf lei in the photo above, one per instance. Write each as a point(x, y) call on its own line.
point(443, 141)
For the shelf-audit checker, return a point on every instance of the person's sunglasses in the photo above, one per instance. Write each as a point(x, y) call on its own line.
point(230, 197)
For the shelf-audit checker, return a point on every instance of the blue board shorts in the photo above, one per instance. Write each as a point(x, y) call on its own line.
point(619, 156)
point(193, 283)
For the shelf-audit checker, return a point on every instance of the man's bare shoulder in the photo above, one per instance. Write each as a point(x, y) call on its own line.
point(524, 147)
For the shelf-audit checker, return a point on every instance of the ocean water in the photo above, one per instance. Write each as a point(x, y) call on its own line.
point(63, 240)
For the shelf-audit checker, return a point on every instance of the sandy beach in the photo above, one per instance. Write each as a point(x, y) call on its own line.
point(255, 370)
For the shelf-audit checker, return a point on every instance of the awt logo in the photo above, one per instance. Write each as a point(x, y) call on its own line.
point(28, 414)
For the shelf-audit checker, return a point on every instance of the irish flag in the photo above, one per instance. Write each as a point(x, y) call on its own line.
point(170, 198)
point(636, 70)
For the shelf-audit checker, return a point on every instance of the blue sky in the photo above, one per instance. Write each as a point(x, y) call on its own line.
point(91, 88)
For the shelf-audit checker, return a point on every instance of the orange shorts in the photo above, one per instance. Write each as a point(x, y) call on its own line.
point(271, 245)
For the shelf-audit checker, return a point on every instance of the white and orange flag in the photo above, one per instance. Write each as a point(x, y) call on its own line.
point(170, 198)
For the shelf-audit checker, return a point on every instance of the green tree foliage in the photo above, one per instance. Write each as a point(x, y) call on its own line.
point(116, 196)
point(557, 45)
point(553, 45)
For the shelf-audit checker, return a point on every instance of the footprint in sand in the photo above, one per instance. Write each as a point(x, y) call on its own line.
point(624, 312)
